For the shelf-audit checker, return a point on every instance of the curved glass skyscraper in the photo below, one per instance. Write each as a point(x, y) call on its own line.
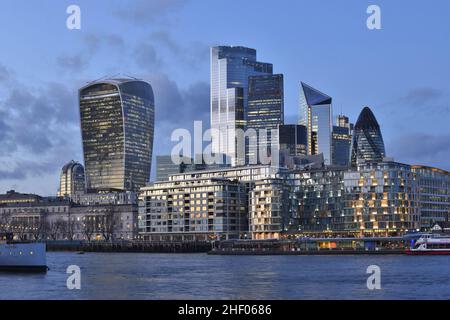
point(117, 126)
point(72, 180)
point(368, 142)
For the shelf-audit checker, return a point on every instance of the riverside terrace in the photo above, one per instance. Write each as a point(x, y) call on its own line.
point(303, 246)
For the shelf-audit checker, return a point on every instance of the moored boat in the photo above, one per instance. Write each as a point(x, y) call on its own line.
point(23, 257)
point(431, 244)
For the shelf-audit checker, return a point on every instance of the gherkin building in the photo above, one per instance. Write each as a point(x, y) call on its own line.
point(368, 142)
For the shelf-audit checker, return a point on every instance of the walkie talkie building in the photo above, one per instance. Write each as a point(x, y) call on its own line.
point(117, 127)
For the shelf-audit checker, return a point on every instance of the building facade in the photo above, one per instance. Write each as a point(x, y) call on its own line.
point(56, 218)
point(72, 180)
point(265, 114)
point(202, 205)
point(165, 166)
point(201, 209)
point(434, 195)
point(317, 201)
point(117, 125)
point(37, 219)
point(293, 139)
point(102, 222)
point(382, 199)
point(231, 67)
point(268, 209)
point(316, 115)
point(342, 141)
point(87, 199)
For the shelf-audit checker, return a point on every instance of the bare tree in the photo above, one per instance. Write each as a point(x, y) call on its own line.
point(56, 227)
point(71, 227)
point(5, 222)
point(108, 223)
point(40, 229)
point(89, 226)
point(20, 228)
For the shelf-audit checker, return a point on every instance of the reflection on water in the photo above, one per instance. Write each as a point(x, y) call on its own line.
point(199, 276)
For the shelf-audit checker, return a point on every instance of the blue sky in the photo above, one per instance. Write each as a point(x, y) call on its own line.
point(401, 72)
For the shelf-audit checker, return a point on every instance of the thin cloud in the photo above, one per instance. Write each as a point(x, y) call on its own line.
point(422, 148)
point(144, 12)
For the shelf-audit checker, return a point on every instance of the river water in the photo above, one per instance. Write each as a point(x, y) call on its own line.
point(199, 276)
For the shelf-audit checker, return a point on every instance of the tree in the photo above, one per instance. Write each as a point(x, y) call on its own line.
point(5, 222)
point(20, 228)
point(56, 227)
point(70, 228)
point(89, 226)
point(108, 223)
point(40, 229)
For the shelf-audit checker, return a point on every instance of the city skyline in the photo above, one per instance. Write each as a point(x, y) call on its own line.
point(33, 158)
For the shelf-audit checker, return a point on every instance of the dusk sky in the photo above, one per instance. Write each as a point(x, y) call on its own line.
point(401, 71)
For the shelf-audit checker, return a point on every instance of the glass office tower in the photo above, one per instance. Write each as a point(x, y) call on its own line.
point(265, 112)
point(165, 166)
point(72, 181)
point(342, 141)
point(315, 115)
point(292, 138)
point(230, 68)
point(117, 126)
point(368, 142)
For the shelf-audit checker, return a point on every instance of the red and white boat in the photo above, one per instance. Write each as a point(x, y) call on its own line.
point(431, 244)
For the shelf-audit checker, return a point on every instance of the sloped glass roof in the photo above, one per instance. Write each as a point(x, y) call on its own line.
point(315, 97)
point(367, 120)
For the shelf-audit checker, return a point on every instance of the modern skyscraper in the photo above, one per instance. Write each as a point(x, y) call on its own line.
point(230, 68)
point(342, 141)
point(293, 139)
point(117, 126)
point(368, 142)
point(315, 115)
point(72, 181)
point(166, 167)
point(265, 112)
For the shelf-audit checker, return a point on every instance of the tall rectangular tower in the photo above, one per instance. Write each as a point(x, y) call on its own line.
point(230, 69)
point(316, 116)
point(265, 112)
point(342, 141)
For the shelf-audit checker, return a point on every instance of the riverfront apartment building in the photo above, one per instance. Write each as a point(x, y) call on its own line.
point(198, 209)
point(258, 202)
point(268, 209)
point(382, 199)
point(434, 195)
point(373, 199)
point(201, 205)
point(317, 200)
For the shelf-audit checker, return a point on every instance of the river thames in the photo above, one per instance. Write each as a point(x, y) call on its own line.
point(199, 276)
